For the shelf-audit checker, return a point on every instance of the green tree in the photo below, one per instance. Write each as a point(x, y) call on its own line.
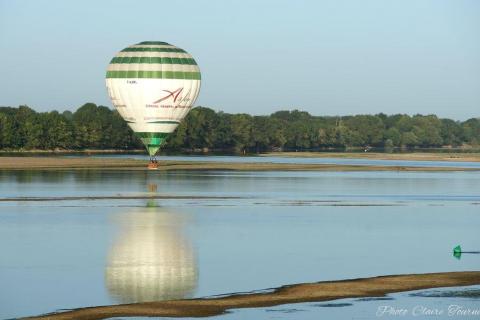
point(93, 126)
point(223, 132)
point(366, 130)
point(261, 133)
point(58, 131)
point(201, 123)
point(451, 132)
point(409, 139)
point(242, 131)
point(388, 145)
point(427, 130)
point(6, 131)
point(30, 129)
point(88, 129)
point(394, 136)
point(471, 131)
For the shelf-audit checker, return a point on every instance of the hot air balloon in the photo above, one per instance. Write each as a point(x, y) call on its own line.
point(153, 85)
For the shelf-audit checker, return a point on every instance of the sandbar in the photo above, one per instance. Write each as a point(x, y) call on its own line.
point(73, 163)
point(409, 156)
point(296, 293)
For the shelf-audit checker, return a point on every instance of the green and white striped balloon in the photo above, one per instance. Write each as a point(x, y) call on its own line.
point(153, 85)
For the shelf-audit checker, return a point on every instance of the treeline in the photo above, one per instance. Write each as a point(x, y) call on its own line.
point(98, 127)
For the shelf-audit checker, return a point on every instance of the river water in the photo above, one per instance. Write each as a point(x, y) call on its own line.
point(298, 160)
point(131, 236)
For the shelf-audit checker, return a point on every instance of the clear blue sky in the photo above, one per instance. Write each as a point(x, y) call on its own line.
point(327, 57)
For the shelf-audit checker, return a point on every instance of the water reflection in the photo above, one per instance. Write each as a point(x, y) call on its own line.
point(151, 259)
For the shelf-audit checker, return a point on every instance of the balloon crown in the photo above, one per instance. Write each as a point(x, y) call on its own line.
point(154, 42)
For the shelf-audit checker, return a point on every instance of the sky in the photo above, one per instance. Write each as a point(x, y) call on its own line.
point(333, 57)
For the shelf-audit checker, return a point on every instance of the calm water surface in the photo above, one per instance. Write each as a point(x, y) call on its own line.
point(275, 228)
point(297, 160)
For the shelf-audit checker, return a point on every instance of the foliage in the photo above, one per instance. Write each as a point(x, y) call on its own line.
point(98, 127)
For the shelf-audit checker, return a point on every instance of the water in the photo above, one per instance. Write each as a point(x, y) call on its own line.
point(445, 303)
point(298, 160)
point(272, 229)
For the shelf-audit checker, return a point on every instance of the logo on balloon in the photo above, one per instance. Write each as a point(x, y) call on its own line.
point(170, 94)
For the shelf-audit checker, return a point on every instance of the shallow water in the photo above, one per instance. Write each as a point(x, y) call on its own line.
point(275, 228)
point(405, 305)
point(297, 160)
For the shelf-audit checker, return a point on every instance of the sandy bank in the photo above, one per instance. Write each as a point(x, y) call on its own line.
point(420, 156)
point(306, 292)
point(59, 163)
point(118, 197)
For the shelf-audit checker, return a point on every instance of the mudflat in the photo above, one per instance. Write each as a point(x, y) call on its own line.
point(413, 156)
point(297, 293)
point(59, 163)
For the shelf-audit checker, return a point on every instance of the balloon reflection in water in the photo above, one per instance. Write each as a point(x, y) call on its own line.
point(151, 260)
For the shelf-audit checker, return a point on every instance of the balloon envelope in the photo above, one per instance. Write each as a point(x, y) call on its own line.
point(153, 85)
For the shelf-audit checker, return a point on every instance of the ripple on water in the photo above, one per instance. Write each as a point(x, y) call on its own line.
point(465, 293)
point(285, 310)
point(333, 305)
point(375, 299)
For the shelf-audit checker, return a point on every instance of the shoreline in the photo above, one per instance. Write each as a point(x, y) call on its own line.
point(413, 156)
point(83, 163)
point(451, 156)
point(60, 152)
point(295, 293)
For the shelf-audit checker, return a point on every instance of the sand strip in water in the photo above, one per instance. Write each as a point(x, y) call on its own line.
point(61, 163)
point(410, 156)
point(298, 293)
point(120, 197)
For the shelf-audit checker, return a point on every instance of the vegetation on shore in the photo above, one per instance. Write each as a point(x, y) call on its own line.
point(98, 127)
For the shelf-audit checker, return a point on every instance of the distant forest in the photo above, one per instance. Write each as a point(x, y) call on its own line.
point(98, 127)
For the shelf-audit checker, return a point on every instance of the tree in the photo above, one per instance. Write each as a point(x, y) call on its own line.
point(201, 123)
point(88, 128)
point(409, 139)
point(241, 131)
point(223, 132)
point(394, 136)
point(451, 132)
point(30, 129)
point(99, 127)
point(388, 145)
point(58, 131)
point(366, 130)
point(471, 131)
point(261, 133)
point(427, 130)
point(6, 131)
point(178, 138)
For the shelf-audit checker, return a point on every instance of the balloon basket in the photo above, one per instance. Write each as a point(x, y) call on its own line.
point(152, 166)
